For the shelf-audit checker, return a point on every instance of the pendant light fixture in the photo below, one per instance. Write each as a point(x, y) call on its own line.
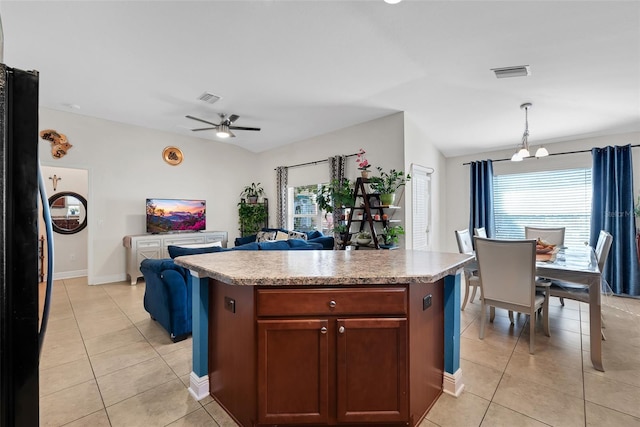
point(523, 150)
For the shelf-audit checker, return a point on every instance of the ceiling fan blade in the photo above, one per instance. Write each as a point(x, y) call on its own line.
point(196, 130)
point(242, 128)
point(203, 121)
point(232, 118)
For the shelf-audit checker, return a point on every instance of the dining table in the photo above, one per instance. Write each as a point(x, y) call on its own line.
point(578, 265)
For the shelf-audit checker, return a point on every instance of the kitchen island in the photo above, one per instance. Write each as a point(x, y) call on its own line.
point(326, 337)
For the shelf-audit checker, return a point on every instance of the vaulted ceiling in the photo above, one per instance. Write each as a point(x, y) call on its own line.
point(298, 69)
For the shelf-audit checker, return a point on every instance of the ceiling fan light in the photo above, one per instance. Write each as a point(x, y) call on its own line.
point(223, 131)
point(542, 152)
point(516, 157)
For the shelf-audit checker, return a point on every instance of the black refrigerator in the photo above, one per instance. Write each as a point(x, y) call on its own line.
point(19, 313)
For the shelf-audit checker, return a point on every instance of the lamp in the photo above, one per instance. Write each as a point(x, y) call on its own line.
point(223, 131)
point(523, 150)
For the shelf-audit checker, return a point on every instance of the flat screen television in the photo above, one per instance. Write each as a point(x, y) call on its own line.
point(175, 215)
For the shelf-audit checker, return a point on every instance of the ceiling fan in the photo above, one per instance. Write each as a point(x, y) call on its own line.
point(223, 129)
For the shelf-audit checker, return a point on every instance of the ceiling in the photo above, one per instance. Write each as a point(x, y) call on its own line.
point(298, 69)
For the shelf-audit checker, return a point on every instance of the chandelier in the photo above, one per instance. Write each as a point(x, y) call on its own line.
point(523, 149)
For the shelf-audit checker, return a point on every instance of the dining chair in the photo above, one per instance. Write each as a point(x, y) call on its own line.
point(552, 235)
point(507, 270)
point(578, 291)
point(465, 246)
point(480, 232)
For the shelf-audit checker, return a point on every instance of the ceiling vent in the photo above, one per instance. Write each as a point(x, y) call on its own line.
point(209, 98)
point(517, 71)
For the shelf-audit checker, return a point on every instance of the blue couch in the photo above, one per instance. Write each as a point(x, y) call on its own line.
point(312, 237)
point(167, 295)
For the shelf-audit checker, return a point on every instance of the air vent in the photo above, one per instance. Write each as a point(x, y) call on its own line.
point(209, 98)
point(517, 71)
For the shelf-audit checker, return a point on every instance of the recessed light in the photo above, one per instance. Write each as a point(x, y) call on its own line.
point(392, 1)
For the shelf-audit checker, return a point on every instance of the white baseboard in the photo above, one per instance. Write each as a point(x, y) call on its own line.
point(69, 274)
point(452, 383)
point(198, 386)
point(112, 278)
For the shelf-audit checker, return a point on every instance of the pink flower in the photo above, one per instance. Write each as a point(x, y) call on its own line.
point(362, 162)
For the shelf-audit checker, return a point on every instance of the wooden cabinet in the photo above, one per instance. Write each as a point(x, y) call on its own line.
point(326, 356)
point(154, 246)
point(346, 363)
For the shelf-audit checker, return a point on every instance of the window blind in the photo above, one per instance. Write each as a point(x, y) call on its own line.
point(559, 198)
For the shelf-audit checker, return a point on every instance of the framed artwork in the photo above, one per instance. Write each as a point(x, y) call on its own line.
point(172, 155)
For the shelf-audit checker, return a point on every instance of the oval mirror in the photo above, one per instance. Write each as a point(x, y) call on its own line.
point(68, 212)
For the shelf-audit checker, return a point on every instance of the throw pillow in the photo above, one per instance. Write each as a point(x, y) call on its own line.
point(265, 236)
point(176, 251)
point(297, 235)
point(281, 236)
point(313, 234)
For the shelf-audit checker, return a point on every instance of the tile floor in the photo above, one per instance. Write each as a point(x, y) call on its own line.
point(106, 363)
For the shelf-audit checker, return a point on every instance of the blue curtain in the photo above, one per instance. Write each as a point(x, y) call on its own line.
point(612, 211)
point(481, 192)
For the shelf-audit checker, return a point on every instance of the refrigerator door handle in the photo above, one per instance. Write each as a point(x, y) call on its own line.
point(46, 214)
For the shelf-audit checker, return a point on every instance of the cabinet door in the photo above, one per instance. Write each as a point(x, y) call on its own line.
point(372, 373)
point(293, 371)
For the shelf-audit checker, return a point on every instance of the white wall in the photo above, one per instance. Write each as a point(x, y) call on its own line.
point(457, 174)
point(125, 167)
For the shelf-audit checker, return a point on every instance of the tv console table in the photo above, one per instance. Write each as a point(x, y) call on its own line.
point(154, 246)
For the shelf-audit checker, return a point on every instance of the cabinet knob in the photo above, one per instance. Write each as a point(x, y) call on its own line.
point(341, 329)
point(332, 304)
point(323, 330)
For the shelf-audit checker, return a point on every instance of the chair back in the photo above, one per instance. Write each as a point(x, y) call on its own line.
point(480, 232)
point(553, 235)
point(507, 270)
point(465, 245)
point(602, 248)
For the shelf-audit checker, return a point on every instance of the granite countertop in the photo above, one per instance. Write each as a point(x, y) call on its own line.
point(294, 268)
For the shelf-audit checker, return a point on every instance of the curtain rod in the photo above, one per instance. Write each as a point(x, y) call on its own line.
point(315, 163)
point(550, 154)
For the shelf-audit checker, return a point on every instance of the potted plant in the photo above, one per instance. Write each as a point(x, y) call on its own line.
point(251, 217)
point(335, 195)
point(363, 238)
point(363, 163)
point(387, 183)
point(391, 234)
point(252, 192)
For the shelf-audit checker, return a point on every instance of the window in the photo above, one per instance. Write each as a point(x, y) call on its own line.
point(544, 199)
point(304, 214)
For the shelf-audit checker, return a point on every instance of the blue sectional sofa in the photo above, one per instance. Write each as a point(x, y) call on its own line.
point(167, 296)
point(311, 237)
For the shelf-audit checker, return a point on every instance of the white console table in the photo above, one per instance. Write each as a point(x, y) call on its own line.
point(154, 246)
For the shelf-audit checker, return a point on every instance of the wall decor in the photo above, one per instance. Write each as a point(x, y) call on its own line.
point(172, 155)
point(59, 143)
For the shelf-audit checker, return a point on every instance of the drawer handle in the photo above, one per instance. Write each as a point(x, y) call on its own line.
point(323, 330)
point(332, 304)
point(341, 329)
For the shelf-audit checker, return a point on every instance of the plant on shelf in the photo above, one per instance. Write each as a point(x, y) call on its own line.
point(252, 192)
point(387, 183)
point(251, 217)
point(335, 195)
point(363, 163)
point(391, 234)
